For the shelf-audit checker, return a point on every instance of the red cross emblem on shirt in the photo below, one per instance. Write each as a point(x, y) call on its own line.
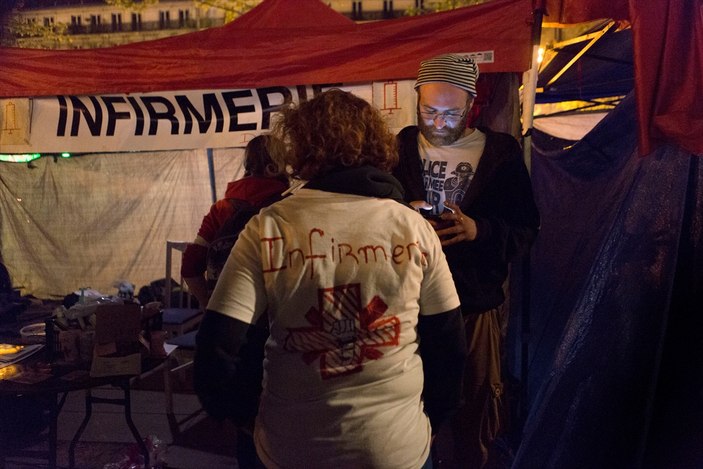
point(343, 334)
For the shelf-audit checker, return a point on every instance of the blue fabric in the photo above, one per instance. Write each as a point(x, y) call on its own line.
point(179, 315)
point(186, 341)
point(609, 306)
point(428, 463)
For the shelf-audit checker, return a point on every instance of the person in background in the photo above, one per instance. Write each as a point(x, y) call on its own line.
point(366, 346)
point(263, 183)
point(474, 184)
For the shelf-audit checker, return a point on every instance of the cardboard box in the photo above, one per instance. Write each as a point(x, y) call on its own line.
point(116, 346)
point(116, 366)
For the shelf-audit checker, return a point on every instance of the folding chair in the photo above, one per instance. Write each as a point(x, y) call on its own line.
point(184, 316)
point(178, 363)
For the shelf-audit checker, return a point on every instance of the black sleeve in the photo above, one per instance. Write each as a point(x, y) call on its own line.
point(409, 169)
point(443, 351)
point(228, 366)
point(507, 217)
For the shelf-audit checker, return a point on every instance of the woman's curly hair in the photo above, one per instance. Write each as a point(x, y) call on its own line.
point(334, 130)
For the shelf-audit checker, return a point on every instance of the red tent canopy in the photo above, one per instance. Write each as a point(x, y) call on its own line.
point(278, 43)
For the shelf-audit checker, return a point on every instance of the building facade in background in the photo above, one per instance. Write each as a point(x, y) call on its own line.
point(77, 24)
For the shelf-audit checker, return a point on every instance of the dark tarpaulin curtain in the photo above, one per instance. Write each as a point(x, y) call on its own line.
point(615, 328)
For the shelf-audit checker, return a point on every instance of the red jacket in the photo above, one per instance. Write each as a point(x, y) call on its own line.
point(253, 189)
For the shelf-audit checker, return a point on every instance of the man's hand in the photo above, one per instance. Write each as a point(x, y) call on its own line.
point(463, 229)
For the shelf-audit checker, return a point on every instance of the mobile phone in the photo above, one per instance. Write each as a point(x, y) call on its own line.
point(439, 223)
point(427, 213)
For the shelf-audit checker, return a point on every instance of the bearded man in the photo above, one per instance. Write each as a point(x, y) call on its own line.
point(474, 187)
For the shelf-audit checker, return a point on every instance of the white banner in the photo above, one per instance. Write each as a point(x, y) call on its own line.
point(171, 120)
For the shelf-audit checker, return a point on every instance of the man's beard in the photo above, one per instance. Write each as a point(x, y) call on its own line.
point(445, 136)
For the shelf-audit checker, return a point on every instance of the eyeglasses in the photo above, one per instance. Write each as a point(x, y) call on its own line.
point(446, 116)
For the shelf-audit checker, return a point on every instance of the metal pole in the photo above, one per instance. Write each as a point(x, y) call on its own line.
point(211, 168)
point(528, 105)
point(530, 88)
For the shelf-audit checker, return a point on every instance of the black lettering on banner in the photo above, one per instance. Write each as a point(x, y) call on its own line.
point(63, 113)
point(267, 108)
point(155, 116)
point(235, 110)
point(210, 105)
point(94, 124)
point(209, 110)
point(302, 93)
point(112, 114)
point(139, 127)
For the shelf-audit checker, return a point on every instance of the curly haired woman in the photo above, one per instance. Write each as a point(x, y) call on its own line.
point(352, 280)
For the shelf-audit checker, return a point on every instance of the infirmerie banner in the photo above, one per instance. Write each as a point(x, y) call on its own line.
point(170, 120)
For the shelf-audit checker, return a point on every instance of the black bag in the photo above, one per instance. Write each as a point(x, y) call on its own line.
point(236, 394)
point(233, 393)
point(227, 235)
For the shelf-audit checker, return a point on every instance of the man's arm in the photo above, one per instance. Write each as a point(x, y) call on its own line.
point(194, 263)
point(443, 351)
point(197, 286)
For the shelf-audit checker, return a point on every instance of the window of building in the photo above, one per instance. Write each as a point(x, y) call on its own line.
point(164, 20)
point(116, 22)
point(136, 21)
point(387, 8)
point(76, 26)
point(48, 22)
point(420, 4)
point(356, 10)
point(183, 18)
point(95, 22)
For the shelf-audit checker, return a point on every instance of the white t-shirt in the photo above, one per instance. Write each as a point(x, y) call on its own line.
point(344, 278)
point(449, 169)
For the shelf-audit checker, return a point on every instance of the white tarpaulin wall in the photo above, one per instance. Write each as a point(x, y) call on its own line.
point(95, 219)
point(91, 220)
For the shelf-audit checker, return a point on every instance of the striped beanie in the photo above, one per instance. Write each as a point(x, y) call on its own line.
point(455, 69)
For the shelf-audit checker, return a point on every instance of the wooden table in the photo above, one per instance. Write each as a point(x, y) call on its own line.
point(58, 380)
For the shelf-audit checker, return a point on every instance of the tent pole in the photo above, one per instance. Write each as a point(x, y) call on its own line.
point(530, 88)
point(211, 169)
point(528, 105)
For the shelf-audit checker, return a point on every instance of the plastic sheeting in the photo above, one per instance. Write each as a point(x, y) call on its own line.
point(569, 126)
point(584, 71)
point(91, 220)
point(617, 259)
